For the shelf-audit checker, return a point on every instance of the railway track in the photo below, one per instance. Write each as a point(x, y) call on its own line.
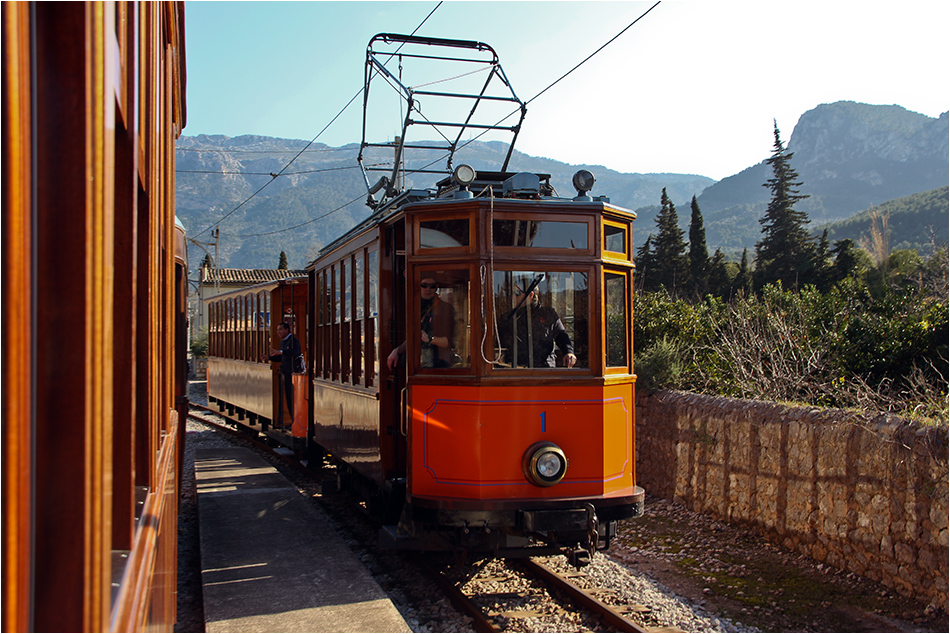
point(505, 598)
point(497, 601)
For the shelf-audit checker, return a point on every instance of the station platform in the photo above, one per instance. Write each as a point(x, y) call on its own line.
point(270, 561)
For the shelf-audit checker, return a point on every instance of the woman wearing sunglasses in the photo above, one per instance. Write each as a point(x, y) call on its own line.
point(435, 325)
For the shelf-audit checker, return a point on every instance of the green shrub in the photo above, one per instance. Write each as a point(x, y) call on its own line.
point(863, 343)
point(659, 366)
point(199, 344)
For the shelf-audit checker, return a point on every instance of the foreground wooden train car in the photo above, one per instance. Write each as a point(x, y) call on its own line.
point(94, 284)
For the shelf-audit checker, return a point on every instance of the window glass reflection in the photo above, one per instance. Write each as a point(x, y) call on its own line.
point(540, 319)
point(541, 234)
point(443, 234)
point(615, 239)
point(444, 328)
point(615, 304)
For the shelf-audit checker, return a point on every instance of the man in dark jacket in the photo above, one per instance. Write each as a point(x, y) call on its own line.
point(289, 351)
point(531, 332)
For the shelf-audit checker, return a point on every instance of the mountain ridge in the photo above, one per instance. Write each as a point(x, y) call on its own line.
point(850, 156)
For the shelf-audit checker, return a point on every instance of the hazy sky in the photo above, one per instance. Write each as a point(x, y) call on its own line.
point(691, 88)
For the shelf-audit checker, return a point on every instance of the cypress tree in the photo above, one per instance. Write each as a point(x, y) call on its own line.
point(644, 263)
point(785, 253)
point(698, 253)
point(823, 273)
point(670, 264)
point(282, 264)
point(719, 282)
point(743, 282)
point(846, 259)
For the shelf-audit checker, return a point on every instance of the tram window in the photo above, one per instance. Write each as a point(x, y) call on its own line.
point(262, 323)
point(615, 311)
point(230, 352)
point(539, 234)
point(444, 328)
point(320, 299)
point(540, 316)
point(347, 285)
point(359, 301)
point(212, 327)
point(338, 321)
point(443, 234)
point(336, 292)
point(615, 239)
point(372, 328)
point(359, 334)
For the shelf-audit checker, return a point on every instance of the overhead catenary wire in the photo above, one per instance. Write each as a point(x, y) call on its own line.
point(313, 171)
point(283, 169)
point(475, 138)
point(312, 141)
point(237, 151)
point(549, 86)
point(302, 224)
point(587, 59)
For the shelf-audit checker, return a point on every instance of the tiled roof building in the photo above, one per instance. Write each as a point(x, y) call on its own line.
point(212, 282)
point(244, 277)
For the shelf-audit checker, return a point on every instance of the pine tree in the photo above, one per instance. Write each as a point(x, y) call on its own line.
point(785, 253)
point(698, 253)
point(670, 264)
point(282, 264)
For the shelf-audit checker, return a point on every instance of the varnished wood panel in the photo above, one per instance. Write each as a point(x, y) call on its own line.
point(18, 316)
point(93, 331)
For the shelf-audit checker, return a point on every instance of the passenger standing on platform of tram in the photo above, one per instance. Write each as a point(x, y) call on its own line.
point(435, 324)
point(289, 350)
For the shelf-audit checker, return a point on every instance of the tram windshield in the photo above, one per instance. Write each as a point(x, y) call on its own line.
point(540, 319)
point(445, 330)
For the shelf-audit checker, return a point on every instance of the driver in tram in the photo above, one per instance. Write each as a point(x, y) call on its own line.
point(537, 329)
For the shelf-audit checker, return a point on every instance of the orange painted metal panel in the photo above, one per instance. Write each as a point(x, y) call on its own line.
point(468, 442)
point(301, 407)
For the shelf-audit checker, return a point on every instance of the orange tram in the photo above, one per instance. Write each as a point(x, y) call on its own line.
point(94, 315)
point(469, 365)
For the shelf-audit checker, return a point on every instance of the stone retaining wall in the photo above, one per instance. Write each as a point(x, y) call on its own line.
point(864, 496)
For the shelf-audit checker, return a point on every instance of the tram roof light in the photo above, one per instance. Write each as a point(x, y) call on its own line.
point(464, 175)
point(583, 182)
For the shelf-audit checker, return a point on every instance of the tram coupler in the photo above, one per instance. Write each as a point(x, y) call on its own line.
point(592, 531)
point(578, 557)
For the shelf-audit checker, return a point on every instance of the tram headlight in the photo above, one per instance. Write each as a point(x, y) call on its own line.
point(544, 464)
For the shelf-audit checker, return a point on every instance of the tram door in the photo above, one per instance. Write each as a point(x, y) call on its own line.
point(396, 381)
point(291, 309)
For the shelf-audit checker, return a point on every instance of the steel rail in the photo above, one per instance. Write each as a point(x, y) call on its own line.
point(462, 603)
point(608, 615)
